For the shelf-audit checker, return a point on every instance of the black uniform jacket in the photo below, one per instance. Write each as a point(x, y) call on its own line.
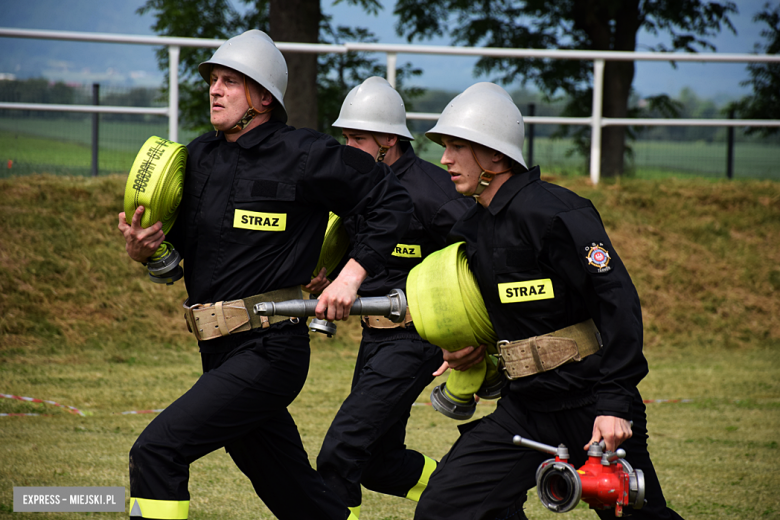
point(437, 206)
point(543, 261)
point(254, 212)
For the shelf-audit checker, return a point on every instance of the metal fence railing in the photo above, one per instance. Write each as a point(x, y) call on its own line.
point(60, 143)
point(596, 121)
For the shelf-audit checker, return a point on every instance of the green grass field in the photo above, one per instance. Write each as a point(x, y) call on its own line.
point(80, 325)
point(658, 159)
point(63, 147)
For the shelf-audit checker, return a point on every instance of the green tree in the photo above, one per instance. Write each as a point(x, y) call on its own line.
point(764, 103)
point(316, 86)
point(604, 25)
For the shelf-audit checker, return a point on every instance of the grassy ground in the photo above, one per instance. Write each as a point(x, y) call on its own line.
point(657, 159)
point(116, 135)
point(63, 146)
point(80, 325)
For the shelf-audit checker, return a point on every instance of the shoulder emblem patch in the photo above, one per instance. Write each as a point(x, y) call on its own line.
point(598, 257)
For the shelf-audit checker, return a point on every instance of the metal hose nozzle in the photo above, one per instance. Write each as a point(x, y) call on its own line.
point(392, 307)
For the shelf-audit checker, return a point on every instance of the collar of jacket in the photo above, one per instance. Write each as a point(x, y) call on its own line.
point(256, 135)
point(510, 188)
point(406, 160)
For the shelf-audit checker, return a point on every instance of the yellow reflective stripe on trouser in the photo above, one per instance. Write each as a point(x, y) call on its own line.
point(160, 509)
point(354, 513)
point(417, 490)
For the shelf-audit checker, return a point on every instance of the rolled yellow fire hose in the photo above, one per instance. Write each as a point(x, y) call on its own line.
point(156, 182)
point(334, 246)
point(448, 310)
point(445, 301)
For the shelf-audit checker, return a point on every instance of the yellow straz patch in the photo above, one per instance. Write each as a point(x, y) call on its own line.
point(259, 221)
point(529, 291)
point(407, 251)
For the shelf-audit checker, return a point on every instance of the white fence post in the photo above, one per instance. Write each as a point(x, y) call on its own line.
point(173, 92)
point(595, 125)
point(392, 58)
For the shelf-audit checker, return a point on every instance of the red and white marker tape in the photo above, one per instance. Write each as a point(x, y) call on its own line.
point(646, 401)
point(133, 412)
point(34, 400)
point(76, 411)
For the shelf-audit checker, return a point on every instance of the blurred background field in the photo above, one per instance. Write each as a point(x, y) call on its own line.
point(59, 143)
point(81, 325)
point(62, 147)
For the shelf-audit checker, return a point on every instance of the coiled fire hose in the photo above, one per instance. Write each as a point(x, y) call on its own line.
point(448, 310)
point(334, 246)
point(155, 182)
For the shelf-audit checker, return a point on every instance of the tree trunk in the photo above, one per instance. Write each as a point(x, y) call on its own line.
point(298, 21)
point(596, 17)
point(618, 77)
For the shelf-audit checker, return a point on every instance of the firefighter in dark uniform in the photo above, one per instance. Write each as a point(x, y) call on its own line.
point(256, 201)
point(527, 233)
point(365, 442)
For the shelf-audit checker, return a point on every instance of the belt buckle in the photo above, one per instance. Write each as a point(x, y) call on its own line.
point(190, 319)
point(501, 361)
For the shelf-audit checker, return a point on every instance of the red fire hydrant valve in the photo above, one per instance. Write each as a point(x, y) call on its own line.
point(605, 481)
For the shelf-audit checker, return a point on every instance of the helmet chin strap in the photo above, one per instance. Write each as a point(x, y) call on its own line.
point(250, 114)
point(380, 156)
point(485, 177)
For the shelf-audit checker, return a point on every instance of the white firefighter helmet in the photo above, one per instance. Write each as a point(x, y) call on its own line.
point(485, 114)
point(253, 54)
point(374, 106)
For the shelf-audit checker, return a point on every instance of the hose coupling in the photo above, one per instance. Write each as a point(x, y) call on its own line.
point(163, 266)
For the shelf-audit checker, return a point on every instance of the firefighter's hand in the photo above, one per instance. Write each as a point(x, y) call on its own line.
point(140, 243)
point(336, 300)
point(462, 359)
point(613, 430)
point(318, 283)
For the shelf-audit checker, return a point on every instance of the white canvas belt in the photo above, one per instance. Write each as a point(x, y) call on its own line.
point(380, 322)
point(214, 320)
point(526, 357)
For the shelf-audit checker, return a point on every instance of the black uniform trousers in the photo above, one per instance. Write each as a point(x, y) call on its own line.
point(365, 444)
point(240, 403)
point(485, 476)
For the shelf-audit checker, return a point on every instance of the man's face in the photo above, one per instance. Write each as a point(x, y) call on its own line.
point(228, 99)
point(460, 163)
point(364, 140)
